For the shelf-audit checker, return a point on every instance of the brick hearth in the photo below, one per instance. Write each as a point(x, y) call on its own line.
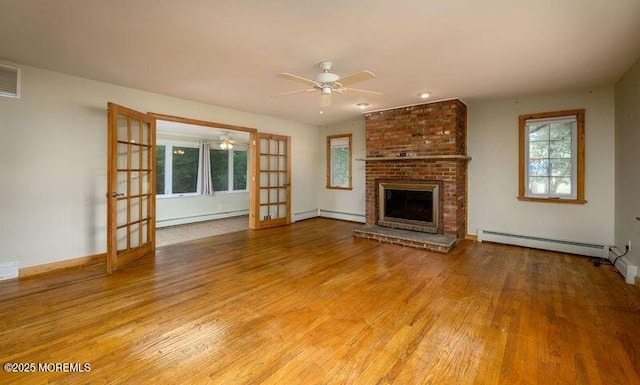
point(420, 143)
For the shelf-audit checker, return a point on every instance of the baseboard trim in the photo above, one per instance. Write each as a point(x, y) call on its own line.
point(360, 218)
point(301, 216)
point(30, 271)
point(471, 237)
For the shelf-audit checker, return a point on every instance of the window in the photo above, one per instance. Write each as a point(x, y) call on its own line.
point(160, 164)
point(229, 170)
point(552, 157)
point(220, 169)
point(339, 161)
point(176, 168)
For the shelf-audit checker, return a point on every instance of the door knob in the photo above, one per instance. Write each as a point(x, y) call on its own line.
point(114, 195)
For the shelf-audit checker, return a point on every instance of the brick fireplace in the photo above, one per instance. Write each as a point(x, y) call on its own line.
point(422, 144)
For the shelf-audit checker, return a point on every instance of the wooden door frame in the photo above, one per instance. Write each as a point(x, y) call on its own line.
point(252, 152)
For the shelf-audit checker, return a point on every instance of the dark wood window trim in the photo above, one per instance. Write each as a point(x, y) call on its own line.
point(580, 154)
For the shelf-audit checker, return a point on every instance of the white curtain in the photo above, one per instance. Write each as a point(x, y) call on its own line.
point(205, 184)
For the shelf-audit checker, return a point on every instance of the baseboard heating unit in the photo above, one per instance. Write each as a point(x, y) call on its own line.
point(571, 247)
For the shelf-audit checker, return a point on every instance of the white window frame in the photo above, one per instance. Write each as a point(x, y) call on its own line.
point(168, 166)
point(574, 159)
point(230, 179)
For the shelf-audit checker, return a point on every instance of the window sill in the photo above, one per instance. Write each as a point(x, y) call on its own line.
point(550, 200)
point(338, 188)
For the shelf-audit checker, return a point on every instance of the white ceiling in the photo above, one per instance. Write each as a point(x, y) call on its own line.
point(228, 52)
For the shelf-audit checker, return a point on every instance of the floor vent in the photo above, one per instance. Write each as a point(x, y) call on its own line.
point(580, 248)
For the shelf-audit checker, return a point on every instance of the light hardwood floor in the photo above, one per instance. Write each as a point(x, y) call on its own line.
point(310, 304)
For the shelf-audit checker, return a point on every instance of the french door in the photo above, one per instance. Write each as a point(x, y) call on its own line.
point(131, 186)
point(271, 178)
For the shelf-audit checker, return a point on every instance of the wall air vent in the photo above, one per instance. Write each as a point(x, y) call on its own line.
point(9, 81)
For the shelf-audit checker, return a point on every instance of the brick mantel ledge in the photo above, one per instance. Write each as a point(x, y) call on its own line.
point(426, 157)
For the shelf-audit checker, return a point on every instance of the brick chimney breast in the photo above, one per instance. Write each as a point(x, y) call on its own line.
point(425, 142)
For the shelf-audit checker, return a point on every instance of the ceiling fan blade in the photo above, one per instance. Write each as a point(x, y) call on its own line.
point(295, 92)
point(357, 77)
point(299, 79)
point(363, 93)
point(325, 100)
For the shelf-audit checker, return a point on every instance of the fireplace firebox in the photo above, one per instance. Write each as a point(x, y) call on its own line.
point(410, 206)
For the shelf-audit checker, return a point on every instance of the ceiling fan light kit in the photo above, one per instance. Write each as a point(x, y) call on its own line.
point(327, 82)
point(225, 143)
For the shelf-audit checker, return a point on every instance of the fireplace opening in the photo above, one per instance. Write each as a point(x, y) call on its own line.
point(410, 206)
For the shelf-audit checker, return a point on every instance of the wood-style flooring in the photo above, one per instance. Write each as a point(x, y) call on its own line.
point(189, 232)
point(310, 304)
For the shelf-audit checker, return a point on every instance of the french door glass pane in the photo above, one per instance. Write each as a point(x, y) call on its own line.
point(134, 236)
point(264, 212)
point(146, 128)
point(121, 235)
point(145, 183)
point(264, 196)
point(122, 156)
point(122, 183)
point(282, 211)
point(134, 214)
point(135, 183)
point(145, 158)
point(135, 131)
point(122, 129)
point(121, 211)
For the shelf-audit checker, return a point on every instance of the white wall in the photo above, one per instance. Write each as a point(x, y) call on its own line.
point(189, 209)
point(627, 228)
point(344, 204)
point(53, 162)
point(493, 172)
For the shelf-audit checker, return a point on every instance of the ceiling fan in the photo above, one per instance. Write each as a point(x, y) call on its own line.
point(226, 143)
point(327, 83)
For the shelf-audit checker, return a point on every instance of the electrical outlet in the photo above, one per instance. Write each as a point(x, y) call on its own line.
point(220, 206)
point(629, 246)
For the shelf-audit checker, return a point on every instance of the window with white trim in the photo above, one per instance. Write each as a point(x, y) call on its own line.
point(229, 169)
point(551, 157)
point(176, 168)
